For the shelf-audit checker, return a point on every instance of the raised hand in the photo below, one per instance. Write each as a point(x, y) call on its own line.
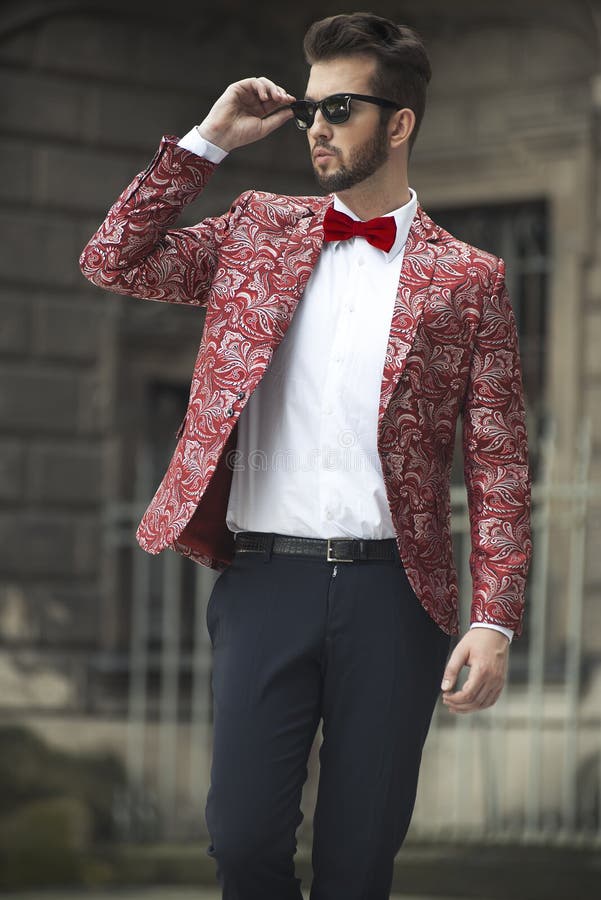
point(247, 111)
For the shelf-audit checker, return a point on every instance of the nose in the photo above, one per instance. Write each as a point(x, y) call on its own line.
point(320, 127)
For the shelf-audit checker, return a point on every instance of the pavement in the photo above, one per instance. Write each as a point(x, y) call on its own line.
point(163, 893)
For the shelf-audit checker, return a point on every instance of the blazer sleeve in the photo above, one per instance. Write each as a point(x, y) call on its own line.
point(496, 467)
point(136, 251)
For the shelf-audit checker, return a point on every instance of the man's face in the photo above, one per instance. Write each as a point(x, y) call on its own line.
point(344, 155)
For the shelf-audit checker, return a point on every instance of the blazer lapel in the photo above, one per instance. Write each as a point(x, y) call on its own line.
point(417, 275)
point(307, 234)
point(297, 257)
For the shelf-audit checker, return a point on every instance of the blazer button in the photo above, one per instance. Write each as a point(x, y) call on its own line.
point(229, 411)
point(241, 395)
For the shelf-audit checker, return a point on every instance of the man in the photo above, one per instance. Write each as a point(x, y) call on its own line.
point(344, 335)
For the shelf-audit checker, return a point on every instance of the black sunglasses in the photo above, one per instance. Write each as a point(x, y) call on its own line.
point(335, 109)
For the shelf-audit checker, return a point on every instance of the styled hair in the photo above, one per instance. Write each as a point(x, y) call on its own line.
point(403, 69)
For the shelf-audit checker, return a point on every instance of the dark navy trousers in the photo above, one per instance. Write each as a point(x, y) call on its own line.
point(296, 640)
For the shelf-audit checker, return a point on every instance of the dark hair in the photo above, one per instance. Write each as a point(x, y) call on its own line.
point(403, 68)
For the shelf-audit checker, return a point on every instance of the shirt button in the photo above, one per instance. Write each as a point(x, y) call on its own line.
point(241, 395)
point(329, 514)
point(229, 411)
point(360, 261)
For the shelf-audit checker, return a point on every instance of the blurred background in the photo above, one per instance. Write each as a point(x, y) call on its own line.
point(105, 662)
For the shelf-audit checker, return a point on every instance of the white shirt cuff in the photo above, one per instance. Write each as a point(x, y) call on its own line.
point(195, 143)
point(508, 632)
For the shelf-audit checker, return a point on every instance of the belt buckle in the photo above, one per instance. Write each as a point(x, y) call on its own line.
point(334, 559)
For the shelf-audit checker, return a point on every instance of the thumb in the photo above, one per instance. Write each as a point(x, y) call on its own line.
point(277, 117)
point(452, 670)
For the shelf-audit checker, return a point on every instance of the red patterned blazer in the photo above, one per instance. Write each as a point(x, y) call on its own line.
point(452, 350)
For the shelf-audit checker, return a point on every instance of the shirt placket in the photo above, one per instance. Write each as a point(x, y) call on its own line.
point(332, 412)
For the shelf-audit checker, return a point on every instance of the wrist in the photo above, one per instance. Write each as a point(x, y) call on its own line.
point(216, 135)
point(507, 633)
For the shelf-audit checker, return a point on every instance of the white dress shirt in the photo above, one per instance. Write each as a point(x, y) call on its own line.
point(307, 461)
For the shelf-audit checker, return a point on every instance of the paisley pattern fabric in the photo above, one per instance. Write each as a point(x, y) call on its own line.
point(452, 351)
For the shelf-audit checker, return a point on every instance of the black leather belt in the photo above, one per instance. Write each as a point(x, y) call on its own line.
point(329, 549)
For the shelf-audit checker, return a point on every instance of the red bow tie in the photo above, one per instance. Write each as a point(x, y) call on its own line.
point(380, 232)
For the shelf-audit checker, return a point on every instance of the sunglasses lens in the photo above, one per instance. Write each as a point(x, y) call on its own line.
point(337, 109)
point(303, 114)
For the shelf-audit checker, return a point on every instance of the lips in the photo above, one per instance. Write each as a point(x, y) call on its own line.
point(322, 154)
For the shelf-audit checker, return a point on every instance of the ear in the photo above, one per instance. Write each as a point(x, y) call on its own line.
point(400, 126)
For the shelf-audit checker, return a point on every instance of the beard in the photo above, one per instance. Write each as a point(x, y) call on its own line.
point(364, 161)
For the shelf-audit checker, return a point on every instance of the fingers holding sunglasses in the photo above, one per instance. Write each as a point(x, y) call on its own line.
point(268, 91)
point(259, 96)
point(275, 101)
point(237, 117)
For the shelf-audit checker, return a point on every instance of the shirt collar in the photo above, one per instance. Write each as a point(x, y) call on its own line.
point(403, 217)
